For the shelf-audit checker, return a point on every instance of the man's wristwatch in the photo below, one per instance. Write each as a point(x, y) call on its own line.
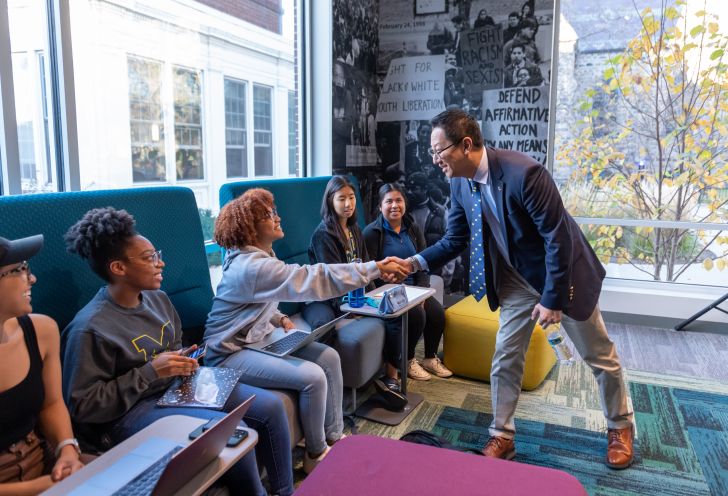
point(66, 442)
point(416, 267)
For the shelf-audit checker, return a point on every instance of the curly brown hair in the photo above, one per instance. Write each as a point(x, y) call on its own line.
point(235, 226)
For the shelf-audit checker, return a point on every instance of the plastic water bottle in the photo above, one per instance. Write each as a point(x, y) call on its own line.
point(356, 297)
point(206, 376)
point(207, 389)
point(556, 340)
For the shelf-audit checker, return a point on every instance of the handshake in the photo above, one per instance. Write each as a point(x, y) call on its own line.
point(394, 269)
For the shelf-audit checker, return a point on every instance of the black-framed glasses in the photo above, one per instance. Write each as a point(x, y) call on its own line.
point(23, 267)
point(154, 258)
point(432, 152)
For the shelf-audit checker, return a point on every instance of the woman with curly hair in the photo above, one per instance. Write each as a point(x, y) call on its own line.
point(245, 310)
point(112, 378)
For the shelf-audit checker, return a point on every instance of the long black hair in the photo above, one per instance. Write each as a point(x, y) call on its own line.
point(330, 217)
point(100, 237)
point(388, 188)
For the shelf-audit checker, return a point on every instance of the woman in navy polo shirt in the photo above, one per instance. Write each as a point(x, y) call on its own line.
point(394, 233)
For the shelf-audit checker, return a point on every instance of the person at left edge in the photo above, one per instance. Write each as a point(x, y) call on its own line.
point(32, 411)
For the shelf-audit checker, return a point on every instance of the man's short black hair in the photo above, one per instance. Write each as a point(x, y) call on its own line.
point(518, 44)
point(458, 124)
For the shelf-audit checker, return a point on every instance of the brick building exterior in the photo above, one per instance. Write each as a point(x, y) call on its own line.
point(264, 13)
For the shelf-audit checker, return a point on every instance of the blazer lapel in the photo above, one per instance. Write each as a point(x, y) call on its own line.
point(498, 189)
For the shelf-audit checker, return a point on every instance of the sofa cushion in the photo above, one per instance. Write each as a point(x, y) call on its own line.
point(357, 341)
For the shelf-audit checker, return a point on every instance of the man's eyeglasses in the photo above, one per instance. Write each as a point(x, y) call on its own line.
point(23, 267)
point(153, 259)
point(432, 152)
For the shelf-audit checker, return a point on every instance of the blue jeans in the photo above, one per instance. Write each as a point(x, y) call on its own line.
point(314, 372)
point(266, 415)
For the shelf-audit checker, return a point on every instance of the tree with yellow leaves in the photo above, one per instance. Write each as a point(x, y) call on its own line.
point(653, 144)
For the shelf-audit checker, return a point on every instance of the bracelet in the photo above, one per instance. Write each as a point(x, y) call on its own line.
point(66, 442)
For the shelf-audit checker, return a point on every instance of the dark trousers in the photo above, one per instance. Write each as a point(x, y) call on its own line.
point(427, 319)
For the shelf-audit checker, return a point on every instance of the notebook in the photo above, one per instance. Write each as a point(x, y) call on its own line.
point(208, 387)
point(161, 466)
point(281, 343)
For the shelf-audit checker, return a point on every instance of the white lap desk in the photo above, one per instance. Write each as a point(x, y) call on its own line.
point(176, 428)
point(372, 409)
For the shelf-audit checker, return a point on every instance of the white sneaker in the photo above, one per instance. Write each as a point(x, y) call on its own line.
point(414, 371)
point(311, 463)
point(435, 366)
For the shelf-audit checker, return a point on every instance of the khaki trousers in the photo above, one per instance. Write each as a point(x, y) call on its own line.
point(517, 299)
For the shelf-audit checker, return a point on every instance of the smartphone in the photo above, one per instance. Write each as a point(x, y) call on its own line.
point(238, 436)
point(197, 353)
point(197, 432)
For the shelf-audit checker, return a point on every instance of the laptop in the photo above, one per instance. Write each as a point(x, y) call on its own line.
point(281, 343)
point(159, 466)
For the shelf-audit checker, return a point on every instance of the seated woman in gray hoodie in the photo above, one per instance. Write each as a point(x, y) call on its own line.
point(245, 310)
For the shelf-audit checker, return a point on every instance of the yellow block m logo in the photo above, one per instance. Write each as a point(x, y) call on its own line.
point(146, 342)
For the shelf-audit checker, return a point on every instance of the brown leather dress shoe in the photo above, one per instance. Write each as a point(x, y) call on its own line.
point(620, 451)
point(500, 447)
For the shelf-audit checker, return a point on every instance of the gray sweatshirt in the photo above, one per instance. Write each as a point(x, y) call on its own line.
point(107, 354)
point(245, 308)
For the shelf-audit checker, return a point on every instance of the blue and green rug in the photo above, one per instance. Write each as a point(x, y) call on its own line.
point(682, 444)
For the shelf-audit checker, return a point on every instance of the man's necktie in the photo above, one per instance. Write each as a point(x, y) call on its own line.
point(477, 252)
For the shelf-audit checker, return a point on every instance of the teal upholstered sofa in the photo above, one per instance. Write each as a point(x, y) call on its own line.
point(167, 216)
point(298, 202)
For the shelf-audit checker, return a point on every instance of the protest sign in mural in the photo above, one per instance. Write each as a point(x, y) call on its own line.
point(517, 119)
point(413, 89)
point(481, 54)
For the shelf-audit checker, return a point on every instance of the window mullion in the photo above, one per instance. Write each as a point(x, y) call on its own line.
point(9, 152)
point(63, 95)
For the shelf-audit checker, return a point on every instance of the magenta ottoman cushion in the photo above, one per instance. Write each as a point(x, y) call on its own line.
point(368, 465)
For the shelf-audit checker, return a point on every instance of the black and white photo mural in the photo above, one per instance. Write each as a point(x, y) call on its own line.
point(491, 58)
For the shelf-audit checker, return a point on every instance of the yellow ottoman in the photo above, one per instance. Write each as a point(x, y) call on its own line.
point(470, 330)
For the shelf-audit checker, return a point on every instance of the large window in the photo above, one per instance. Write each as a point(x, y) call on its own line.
point(642, 135)
point(188, 92)
point(28, 45)
point(146, 120)
point(262, 127)
point(188, 124)
point(236, 151)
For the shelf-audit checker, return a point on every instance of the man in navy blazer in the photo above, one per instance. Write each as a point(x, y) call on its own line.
point(538, 266)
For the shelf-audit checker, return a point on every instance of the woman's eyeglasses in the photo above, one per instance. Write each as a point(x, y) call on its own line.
point(272, 214)
point(153, 259)
point(23, 267)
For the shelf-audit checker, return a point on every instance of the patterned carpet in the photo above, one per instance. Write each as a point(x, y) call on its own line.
point(679, 391)
point(682, 426)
